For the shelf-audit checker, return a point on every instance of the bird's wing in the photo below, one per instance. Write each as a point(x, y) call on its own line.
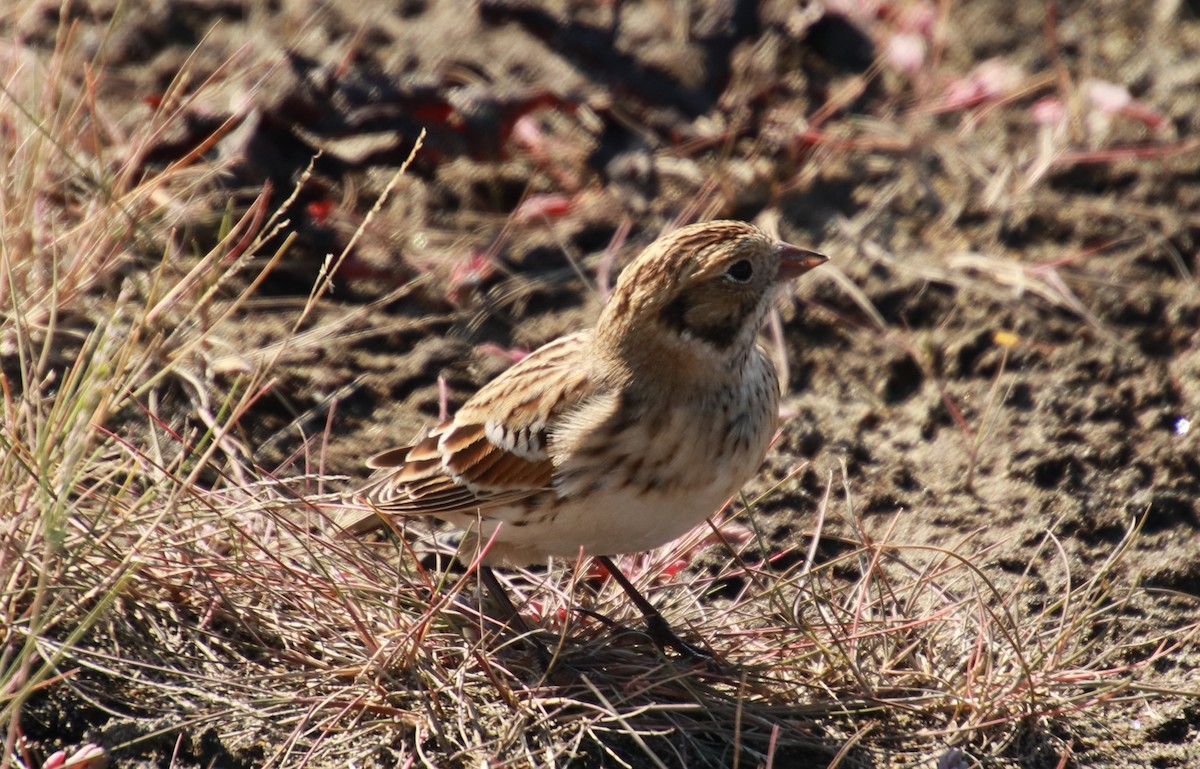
point(494, 452)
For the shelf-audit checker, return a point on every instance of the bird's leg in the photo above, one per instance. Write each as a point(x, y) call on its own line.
point(511, 616)
point(656, 624)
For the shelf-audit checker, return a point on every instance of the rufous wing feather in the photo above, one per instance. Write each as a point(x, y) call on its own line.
point(495, 452)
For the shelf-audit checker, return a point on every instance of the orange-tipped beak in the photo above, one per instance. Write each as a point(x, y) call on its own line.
point(795, 261)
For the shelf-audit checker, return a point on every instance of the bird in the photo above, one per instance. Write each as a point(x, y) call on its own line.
point(615, 439)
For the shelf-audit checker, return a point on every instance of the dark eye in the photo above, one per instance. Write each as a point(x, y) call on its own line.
point(740, 271)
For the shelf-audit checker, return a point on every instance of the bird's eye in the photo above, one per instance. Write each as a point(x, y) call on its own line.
point(740, 271)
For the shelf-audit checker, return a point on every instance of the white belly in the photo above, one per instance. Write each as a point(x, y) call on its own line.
point(601, 524)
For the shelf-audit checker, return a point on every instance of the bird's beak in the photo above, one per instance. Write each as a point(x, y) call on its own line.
point(795, 261)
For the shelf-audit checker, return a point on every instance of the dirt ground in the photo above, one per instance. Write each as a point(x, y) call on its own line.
point(1005, 343)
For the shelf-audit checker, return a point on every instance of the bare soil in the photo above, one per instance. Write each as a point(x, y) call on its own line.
point(999, 348)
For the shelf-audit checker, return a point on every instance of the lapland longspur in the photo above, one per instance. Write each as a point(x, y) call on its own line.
point(619, 438)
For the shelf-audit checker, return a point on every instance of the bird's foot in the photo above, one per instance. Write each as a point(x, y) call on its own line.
point(664, 637)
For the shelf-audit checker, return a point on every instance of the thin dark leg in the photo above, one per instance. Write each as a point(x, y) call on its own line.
point(656, 624)
point(511, 616)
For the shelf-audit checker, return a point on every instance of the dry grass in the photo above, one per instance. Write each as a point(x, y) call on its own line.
point(157, 581)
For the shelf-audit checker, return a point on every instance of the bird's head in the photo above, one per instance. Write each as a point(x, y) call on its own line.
point(699, 293)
